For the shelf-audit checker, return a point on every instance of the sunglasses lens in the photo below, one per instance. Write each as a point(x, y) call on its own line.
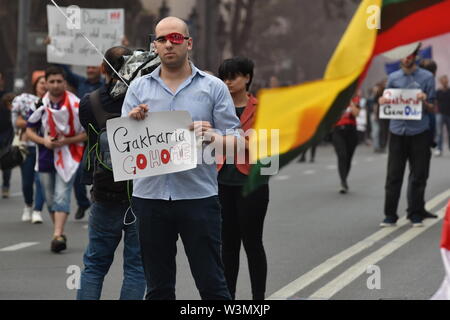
point(175, 38)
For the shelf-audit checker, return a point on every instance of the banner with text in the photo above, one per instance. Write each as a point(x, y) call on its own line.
point(103, 27)
point(158, 145)
point(402, 105)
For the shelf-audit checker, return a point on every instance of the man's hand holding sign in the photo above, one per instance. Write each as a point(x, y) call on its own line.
point(404, 104)
point(145, 144)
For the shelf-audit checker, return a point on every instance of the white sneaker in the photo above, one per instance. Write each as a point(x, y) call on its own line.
point(438, 153)
point(26, 216)
point(36, 217)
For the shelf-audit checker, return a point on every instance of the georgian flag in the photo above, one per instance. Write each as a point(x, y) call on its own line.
point(62, 122)
point(444, 291)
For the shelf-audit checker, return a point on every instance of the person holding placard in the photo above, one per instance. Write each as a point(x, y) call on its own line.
point(410, 142)
point(185, 203)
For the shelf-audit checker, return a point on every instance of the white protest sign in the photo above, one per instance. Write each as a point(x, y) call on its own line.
point(402, 104)
point(103, 27)
point(160, 144)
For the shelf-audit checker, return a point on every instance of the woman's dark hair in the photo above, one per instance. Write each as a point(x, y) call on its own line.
point(236, 66)
point(53, 70)
point(36, 83)
point(114, 56)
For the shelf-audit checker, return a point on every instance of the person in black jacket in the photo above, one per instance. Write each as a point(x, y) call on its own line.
point(107, 220)
point(6, 137)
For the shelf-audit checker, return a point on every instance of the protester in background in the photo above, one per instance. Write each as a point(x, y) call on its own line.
point(431, 66)
point(361, 119)
point(372, 102)
point(110, 200)
point(59, 149)
point(274, 82)
point(23, 106)
point(443, 115)
point(409, 142)
point(345, 140)
point(242, 216)
point(312, 150)
point(2, 85)
point(6, 137)
point(83, 86)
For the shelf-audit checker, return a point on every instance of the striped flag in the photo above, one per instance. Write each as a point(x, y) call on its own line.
point(305, 113)
point(444, 291)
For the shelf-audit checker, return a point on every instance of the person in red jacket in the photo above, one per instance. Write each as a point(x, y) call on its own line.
point(242, 217)
point(345, 140)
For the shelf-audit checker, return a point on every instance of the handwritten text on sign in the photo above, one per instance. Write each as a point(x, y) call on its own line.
point(103, 27)
point(402, 105)
point(160, 144)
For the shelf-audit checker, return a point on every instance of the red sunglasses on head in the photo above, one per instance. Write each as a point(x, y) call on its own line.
point(175, 38)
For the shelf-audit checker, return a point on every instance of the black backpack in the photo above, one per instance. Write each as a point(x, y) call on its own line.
point(12, 153)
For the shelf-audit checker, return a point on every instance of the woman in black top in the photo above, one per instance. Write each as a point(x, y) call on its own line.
point(242, 217)
point(6, 136)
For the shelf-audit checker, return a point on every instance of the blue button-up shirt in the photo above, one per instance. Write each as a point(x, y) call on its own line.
point(419, 79)
point(82, 84)
point(206, 98)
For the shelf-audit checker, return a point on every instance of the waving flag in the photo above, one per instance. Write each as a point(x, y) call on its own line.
point(305, 113)
point(444, 291)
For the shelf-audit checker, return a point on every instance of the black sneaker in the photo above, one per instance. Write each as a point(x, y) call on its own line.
point(429, 215)
point(416, 222)
point(388, 222)
point(58, 244)
point(80, 213)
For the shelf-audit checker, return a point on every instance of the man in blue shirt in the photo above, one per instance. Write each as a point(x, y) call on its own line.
point(409, 142)
point(184, 203)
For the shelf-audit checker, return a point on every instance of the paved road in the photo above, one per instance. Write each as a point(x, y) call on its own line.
point(319, 243)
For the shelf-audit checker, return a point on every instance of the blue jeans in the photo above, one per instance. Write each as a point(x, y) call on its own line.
point(30, 178)
point(198, 222)
point(56, 191)
point(105, 232)
point(441, 121)
point(80, 190)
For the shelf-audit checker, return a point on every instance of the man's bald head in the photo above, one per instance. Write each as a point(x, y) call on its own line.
point(171, 23)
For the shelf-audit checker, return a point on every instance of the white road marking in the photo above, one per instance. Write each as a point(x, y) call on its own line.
point(352, 273)
point(309, 172)
point(19, 246)
point(282, 178)
point(332, 167)
point(331, 263)
point(370, 159)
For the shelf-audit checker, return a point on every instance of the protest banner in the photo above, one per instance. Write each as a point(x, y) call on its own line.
point(103, 27)
point(158, 145)
point(402, 104)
